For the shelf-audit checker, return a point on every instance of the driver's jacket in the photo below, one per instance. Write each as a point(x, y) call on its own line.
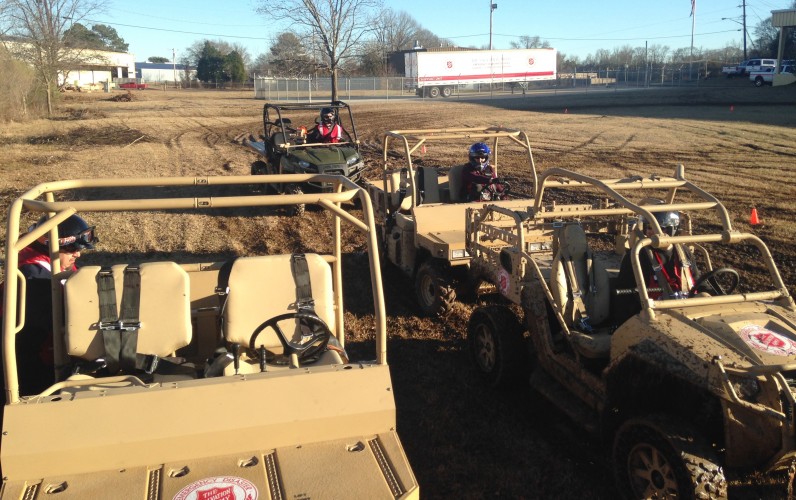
point(322, 133)
point(474, 179)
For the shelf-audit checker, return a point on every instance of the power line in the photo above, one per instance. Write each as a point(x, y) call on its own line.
point(177, 31)
point(598, 39)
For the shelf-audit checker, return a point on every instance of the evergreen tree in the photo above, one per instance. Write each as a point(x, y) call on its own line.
point(210, 66)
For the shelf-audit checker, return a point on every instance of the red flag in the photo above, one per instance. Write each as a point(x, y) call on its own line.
point(693, 7)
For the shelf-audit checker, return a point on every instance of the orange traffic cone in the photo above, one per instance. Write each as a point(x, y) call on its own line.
point(753, 219)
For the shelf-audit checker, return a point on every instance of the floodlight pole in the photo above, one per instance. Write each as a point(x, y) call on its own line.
point(492, 7)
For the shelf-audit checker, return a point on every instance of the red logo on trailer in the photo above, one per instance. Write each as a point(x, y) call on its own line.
point(450, 64)
point(530, 61)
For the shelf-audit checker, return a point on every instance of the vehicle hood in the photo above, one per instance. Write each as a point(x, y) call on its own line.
point(324, 155)
point(747, 335)
point(761, 337)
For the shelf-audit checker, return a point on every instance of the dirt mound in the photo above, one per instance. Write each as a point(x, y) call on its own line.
point(89, 136)
point(126, 97)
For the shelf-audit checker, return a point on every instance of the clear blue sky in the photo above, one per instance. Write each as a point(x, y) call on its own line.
point(575, 27)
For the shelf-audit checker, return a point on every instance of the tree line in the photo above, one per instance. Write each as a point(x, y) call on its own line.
point(355, 37)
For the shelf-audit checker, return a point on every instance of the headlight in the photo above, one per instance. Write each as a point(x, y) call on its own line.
point(352, 160)
point(459, 254)
point(304, 164)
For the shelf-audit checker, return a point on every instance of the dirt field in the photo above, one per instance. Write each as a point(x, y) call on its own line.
point(462, 440)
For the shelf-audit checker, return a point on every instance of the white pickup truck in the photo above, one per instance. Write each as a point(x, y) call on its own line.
point(730, 71)
point(766, 75)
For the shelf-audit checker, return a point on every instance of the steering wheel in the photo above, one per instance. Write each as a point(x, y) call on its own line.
point(710, 279)
point(311, 344)
point(495, 195)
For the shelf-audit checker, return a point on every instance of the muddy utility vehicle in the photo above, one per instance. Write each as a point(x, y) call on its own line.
point(238, 385)
point(421, 210)
point(287, 146)
point(698, 382)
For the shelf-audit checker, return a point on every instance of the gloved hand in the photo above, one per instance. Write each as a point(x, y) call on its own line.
point(496, 180)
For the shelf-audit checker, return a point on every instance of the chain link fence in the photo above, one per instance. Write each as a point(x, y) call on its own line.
point(319, 89)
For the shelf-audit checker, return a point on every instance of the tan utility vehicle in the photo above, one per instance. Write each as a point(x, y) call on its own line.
point(245, 390)
point(421, 210)
point(694, 383)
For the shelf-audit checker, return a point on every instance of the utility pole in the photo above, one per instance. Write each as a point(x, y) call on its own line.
point(744, 30)
point(492, 7)
point(174, 65)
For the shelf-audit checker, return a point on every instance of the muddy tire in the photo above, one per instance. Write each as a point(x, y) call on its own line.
point(259, 167)
point(497, 346)
point(434, 289)
point(295, 210)
point(657, 457)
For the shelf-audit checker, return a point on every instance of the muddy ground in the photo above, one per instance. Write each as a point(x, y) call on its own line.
point(463, 440)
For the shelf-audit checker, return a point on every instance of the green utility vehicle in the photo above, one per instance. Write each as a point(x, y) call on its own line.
point(286, 147)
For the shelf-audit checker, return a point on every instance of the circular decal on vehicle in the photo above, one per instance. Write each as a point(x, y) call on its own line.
point(450, 64)
point(765, 340)
point(219, 488)
point(531, 61)
point(503, 281)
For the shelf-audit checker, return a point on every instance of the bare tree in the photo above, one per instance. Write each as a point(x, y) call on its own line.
point(39, 25)
point(530, 42)
point(336, 25)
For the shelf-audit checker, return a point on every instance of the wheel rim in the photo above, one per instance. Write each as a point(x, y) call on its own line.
point(650, 473)
point(484, 348)
point(428, 291)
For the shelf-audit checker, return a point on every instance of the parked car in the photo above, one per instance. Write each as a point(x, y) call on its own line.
point(132, 85)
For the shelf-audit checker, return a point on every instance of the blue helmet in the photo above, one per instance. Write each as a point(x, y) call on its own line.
point(480, 149)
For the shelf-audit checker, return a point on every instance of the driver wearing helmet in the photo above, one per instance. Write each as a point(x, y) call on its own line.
point(667, 271)
point(479, 179)
point(35, 341)
point(327, 130)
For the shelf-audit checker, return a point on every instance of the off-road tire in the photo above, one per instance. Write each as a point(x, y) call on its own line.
point(497, 346)
point(660, 457)
point(434, 289)
point(295, 210)
point(259, 167)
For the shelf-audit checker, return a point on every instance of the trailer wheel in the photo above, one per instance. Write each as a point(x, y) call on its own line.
point(447, 91)
point(433, 92)
point(658, 457)
point(497, 346)
point(759, 81)
point(434, 289)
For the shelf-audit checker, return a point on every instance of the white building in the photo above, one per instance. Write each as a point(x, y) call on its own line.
point(163, 72)
point(97, 66)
